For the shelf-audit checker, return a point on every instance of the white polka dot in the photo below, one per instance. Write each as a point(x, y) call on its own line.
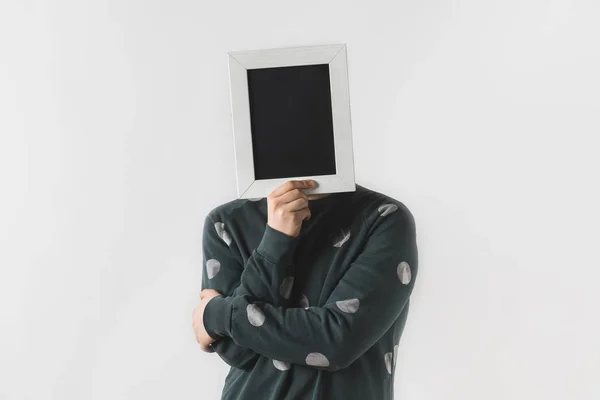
point(342, 238)
point(403, 272)
point(286, 287)
point(348, 306)
point(222, 232)
point(387, 209)
point(395, 354)
point(317, 360)
point(255, 315)
point(304, 302)
point(281, 365)
point(212, 268)
point(388, 362)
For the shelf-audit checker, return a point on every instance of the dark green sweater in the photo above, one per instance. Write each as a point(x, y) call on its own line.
point(313, 317)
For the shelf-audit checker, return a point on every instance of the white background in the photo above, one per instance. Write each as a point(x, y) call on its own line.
point(481, 116)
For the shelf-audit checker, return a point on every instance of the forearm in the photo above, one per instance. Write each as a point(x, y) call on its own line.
point(324, 337)
point(269, 272)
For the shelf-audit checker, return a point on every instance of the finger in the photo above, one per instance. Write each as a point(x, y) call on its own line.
point(292, 195)
point(287, 186)
point(296, 205)
point(293, 184)
point(317, 196)
point(304, 214)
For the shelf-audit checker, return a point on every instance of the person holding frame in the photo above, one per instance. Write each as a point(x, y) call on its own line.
point(306, 296)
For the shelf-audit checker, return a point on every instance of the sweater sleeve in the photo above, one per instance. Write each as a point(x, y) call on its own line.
point(266, 275)
point(362, 307)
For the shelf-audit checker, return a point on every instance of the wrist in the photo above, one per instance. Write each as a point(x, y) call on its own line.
point(217, 317)
point(276, 246)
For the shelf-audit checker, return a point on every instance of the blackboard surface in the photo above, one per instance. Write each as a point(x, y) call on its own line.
point(291, 121)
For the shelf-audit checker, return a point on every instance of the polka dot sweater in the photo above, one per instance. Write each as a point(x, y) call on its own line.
point(314, 317)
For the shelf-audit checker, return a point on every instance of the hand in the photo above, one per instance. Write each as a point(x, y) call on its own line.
point(202, 337)
point(288, 206)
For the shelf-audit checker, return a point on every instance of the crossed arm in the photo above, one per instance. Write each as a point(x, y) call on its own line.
point(255, 319)
point(266, 275)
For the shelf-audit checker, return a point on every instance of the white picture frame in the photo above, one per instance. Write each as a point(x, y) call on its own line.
point(335, 55)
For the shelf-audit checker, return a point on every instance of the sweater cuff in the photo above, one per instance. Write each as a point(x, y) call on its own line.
point(217, 317)
point(276, 246)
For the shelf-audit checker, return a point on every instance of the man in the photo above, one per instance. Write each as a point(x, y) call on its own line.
point(306, 296)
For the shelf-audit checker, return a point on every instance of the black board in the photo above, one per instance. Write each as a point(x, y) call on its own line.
point(291, 121)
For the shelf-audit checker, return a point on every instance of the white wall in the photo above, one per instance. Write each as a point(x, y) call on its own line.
point(481, 116)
